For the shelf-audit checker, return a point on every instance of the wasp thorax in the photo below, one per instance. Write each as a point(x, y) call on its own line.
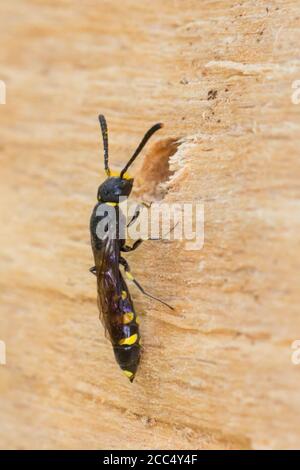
point(113, 188)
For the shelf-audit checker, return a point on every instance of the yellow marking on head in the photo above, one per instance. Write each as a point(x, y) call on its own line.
point(129, 276)
point(124, 294)
point(116, 174)
point(137, 319)
point(128, 373)
point(128, 341)
point(113, 204)
point(128, 317)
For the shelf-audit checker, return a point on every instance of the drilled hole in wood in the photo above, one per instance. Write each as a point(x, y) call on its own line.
point(155, 170)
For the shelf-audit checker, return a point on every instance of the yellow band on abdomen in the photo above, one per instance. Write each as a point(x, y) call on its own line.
point(128, 341)
point(128, 373)
point(128, 317)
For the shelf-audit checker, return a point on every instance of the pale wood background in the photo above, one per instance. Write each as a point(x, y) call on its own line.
point(217, 372)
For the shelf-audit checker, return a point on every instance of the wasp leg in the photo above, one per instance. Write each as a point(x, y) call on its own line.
point(135, 215)
point(163, 237)
point(93, 270)
point(133, 219)
point(135, 245)
point(129, 276)
point(137, 212)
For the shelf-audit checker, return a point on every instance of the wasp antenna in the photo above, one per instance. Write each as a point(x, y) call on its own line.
point(103, 125)
point(142, 144)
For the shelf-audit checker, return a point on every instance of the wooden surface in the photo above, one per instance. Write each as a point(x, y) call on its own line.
point(216, 372)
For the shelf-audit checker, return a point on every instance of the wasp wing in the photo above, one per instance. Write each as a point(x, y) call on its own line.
point(109, 287)
point(110, 283)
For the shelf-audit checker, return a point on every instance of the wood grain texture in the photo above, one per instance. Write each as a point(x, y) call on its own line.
point(216, 372)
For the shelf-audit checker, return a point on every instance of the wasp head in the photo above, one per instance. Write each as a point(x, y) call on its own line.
point(119, 185)
point(115, 187)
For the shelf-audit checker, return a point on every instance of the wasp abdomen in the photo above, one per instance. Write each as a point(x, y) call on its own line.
point(128, 358)
point(127, 347)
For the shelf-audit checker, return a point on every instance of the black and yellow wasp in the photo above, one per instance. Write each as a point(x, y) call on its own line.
point(114, 300)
